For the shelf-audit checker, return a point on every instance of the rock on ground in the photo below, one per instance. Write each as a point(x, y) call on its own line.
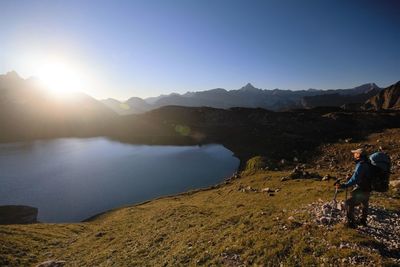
point(382, 225)
point(51, 263)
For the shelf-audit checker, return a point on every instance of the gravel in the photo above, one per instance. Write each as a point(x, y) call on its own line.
point(382, 225)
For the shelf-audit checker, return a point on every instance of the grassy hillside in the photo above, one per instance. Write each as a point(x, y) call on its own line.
point(231, 224)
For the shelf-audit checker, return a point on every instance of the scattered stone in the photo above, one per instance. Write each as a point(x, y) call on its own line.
point(250, 189)
point(299, 172)
point(246, 189)
point(267, 190)
point(325, 220)
point(327, 177)
point(344, 245)
point(100, 234)
point(51, 263)
point(382, 225)
point(395, 183)
point(293, 223)
point(229, 259)
point(328, 213)
point(234, 176)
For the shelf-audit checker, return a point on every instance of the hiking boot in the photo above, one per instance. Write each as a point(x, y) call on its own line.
point(351, 225)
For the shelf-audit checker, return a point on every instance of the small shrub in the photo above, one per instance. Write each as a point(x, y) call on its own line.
point(256, 163)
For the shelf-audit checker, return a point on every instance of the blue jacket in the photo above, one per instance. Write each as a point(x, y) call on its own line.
point(361, 175)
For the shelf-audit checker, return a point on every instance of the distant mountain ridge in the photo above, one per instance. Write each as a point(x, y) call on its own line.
point(250, 97)
point(26, 96)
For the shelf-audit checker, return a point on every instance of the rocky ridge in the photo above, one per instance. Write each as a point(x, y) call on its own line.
point(387, 99)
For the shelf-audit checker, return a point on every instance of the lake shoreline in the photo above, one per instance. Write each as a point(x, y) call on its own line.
point(72, 179)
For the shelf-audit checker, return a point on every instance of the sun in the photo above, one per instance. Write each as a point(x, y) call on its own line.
point(60, 77)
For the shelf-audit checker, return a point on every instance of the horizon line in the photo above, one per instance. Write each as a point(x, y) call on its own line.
point(205, 90)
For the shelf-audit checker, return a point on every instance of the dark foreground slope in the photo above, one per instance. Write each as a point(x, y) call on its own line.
point(256, 219)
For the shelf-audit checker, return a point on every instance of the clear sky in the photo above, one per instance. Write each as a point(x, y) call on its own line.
point(146, 48)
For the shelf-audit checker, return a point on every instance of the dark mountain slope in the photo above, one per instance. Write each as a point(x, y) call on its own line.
point(389, 98)
point(338, 99)
point(250, 132)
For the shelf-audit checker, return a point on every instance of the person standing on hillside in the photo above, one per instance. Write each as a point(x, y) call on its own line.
point(361, 192)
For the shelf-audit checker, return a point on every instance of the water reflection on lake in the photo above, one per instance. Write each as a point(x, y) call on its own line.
point(71, 179)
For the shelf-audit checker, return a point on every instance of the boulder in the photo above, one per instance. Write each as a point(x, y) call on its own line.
point(18, 214)
point(267, 190)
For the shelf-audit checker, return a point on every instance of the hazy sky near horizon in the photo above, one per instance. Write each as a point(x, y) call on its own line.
point(147, 47)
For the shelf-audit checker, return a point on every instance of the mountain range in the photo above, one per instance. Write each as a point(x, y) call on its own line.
point(27, 110)
point(250, 97)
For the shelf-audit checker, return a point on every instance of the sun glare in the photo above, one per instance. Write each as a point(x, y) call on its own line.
point(60, 77)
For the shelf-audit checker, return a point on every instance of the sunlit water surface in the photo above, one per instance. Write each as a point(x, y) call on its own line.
point(71, 179)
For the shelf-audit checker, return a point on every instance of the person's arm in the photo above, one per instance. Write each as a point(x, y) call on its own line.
point(355, 178)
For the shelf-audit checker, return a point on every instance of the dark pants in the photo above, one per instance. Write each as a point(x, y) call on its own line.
point(358, 197)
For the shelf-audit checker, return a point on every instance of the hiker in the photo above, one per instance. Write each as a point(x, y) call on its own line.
point(360, 193)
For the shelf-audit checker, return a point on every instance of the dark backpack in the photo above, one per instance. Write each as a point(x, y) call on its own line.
point(380, 171)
